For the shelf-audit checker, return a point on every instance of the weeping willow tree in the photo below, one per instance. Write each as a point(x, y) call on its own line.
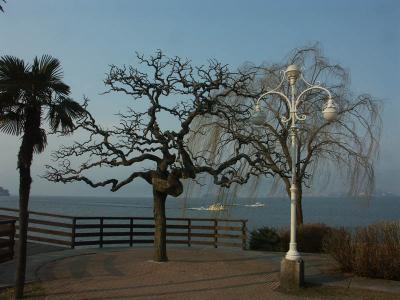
point(341, 151)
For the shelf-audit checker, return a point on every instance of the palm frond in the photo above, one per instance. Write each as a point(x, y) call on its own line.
point(40, 141)
point(47, 72)
point(11, 123)
point(11, 69)
point(62, 113)
point(59, 88)
point(9, 98)
point(25, 88)
point(14, 80)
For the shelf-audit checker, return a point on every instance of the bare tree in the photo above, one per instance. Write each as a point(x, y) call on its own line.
point(345, 148)
point(179, 93)
point(1, 7)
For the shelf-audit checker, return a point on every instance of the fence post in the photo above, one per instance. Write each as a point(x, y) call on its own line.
point(189, 232)
point(73, 232)
point(215, 234)
point(244, 235)
point(101, 231)
point(131, 232)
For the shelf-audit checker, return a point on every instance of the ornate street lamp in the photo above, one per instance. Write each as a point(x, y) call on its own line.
point(292, 267)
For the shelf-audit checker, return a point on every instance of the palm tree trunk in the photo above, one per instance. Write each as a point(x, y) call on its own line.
point(25, 157)
point(24, 189)
point(160, 228)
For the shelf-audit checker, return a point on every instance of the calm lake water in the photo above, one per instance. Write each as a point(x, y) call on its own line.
point(346, 212)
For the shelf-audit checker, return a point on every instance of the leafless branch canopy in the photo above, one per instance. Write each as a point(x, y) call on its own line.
point(172, 91)
point(346, 147)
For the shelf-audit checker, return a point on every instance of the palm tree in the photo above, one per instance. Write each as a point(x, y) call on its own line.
point(30, 95)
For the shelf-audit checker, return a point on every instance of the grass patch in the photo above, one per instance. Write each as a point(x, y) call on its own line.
point(33, 291)
point(329, 292)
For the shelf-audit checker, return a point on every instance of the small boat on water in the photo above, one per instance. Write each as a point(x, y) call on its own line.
point(257, 204)
point(216, 206)
point(220, 206)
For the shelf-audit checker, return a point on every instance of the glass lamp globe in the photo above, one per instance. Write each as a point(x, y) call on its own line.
point(293, 72)
point(330, 111)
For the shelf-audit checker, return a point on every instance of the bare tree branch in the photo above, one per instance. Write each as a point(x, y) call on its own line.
point(138, 140)
point(348, 146)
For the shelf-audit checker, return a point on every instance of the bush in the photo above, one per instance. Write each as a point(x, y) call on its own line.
point(373, 251)
point(266, 239)
point(309, 237)
point(339, 245)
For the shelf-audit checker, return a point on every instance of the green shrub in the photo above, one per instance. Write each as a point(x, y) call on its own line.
point(373, 251)
point(266, 239)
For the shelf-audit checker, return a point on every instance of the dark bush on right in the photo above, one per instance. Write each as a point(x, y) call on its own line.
point(266, 239)
point(309, 237)
point(373, 251)
point(339, 245)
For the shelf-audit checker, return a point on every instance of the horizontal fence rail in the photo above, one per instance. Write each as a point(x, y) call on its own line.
point(7, 234)
point(70, 231)
point(45, 227)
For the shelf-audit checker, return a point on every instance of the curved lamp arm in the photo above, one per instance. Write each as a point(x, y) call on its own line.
point(315, 87)
point(329, 109)
point(299, 100)
point(281, 96)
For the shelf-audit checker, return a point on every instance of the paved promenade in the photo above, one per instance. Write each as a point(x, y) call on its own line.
point(191, 273)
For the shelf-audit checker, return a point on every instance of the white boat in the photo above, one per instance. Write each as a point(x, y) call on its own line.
point(216, 206)
point(257, 204)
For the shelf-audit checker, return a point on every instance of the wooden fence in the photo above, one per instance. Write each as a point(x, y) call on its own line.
point(70, 231)
point(45, 227)
point(7, 233)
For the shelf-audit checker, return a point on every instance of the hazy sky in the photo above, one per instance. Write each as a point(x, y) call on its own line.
point(88, 35)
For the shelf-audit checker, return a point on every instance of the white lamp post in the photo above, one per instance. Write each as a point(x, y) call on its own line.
point(291, 75)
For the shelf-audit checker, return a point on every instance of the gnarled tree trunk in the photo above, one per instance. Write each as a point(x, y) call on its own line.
point(160, 228)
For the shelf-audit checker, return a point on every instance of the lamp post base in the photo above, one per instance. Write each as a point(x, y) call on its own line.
point(292, 274)
point(293, 254)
